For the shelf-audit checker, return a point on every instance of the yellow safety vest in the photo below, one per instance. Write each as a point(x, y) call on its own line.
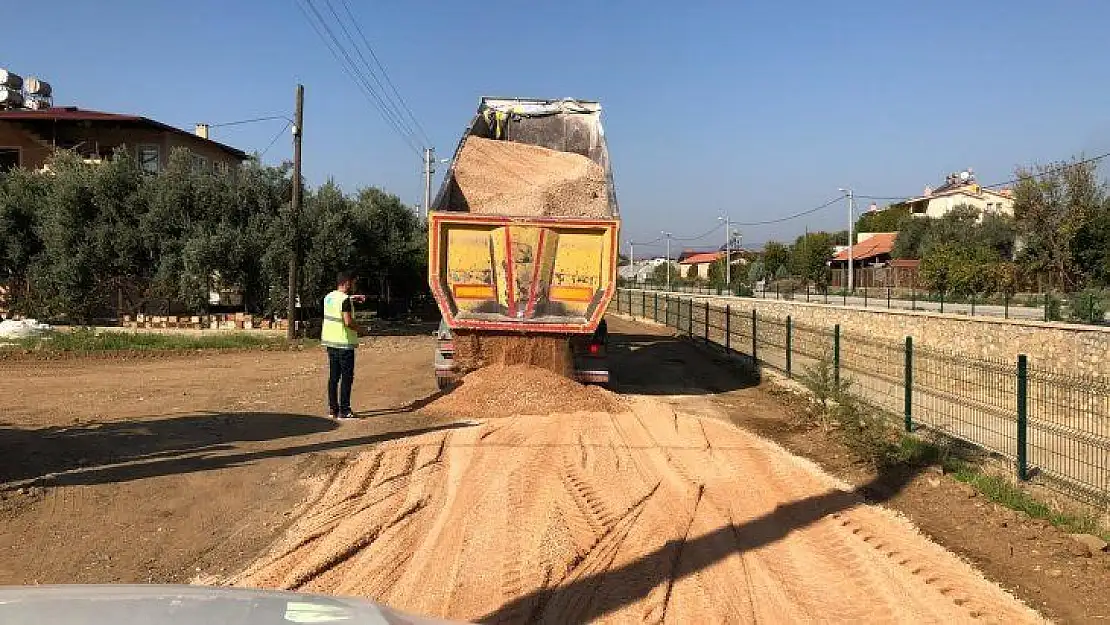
point(334, 333)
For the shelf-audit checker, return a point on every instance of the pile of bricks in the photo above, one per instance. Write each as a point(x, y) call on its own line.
point(230, 321)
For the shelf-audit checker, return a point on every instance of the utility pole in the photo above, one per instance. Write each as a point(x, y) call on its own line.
point(429, 169)
point(668, 263)
point(728, 252)
point(851, 238)
point(295, 213)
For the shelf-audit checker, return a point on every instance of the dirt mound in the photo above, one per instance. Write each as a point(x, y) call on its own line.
point(630, 518)
point(474, 350)
point(509, 178)
point(507, 390)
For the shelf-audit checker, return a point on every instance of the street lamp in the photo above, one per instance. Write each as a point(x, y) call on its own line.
point(851, 238)
point(668, 235)
point(728, 251)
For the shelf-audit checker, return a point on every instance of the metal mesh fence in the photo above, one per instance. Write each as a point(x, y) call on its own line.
point(1054, 425)
point(1069, 431)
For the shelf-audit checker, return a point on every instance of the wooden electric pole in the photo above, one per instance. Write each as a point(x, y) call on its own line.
point(295, 213)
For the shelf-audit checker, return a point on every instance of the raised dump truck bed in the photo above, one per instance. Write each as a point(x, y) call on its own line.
point(500, 270)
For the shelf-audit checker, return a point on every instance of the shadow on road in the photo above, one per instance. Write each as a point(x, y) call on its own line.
point(581, 602)
point(664, 364)
point(121, 452)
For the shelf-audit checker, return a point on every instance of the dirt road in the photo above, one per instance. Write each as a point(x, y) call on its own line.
point(665, 513)
point(197, 467)
point(160, 469)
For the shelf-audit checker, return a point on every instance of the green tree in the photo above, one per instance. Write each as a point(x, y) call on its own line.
point(810, 254)
point(659, 273)
point(1056, 207)
point(756, 271)
point(692, 273)
point(885, 220)
point(775, 255)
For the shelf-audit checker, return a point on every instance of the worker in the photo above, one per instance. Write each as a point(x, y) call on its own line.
point(339, 335)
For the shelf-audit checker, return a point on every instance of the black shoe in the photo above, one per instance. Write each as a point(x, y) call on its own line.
point(346, 416)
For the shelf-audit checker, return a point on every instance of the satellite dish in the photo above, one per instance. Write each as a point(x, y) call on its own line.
point(964, 176)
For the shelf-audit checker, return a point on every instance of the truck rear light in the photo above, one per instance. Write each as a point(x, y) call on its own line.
point(595, 348)
point(571, 293)
point(474, 291)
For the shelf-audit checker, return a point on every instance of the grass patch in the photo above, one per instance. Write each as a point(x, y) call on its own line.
point(996, 488)
point(86, 340)
point(869, 435)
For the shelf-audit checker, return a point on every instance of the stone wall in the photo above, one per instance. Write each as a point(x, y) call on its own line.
point(1075, 349)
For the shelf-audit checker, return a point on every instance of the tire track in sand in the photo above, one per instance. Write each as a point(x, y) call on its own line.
point(658, 515)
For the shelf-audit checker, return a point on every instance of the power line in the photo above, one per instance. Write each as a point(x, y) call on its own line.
point(385, 74)
point(789, 217)
point(249, 121)
point(383, 95)
point(274, 140)
point(1052, 170)
point(996, 185)
point(353, 74)
point(353, 71)
point(702, 235)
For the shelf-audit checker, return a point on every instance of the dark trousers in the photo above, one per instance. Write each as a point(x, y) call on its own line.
point(341, 373)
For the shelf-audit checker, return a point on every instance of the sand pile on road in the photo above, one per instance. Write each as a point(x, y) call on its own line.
point(474, 350)
point(508, 390)
point(631, 518)
point(509, 178)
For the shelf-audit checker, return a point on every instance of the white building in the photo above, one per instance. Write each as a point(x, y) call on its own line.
point(961, 189)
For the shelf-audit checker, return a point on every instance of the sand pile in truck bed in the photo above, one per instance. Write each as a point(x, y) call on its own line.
point(474, 350)
point(508, 390)
point(509, 178)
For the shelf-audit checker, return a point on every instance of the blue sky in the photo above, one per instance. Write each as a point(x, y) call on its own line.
point(757, 109)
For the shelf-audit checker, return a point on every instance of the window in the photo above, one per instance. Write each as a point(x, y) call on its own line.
point(9, 159)
point(150, 159)
point(200, 163)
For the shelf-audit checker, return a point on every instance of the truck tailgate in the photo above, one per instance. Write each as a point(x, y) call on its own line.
point(530, 274)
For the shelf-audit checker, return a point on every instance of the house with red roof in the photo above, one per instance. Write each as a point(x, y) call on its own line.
point(703, 260)
point(873, 249)
point(28, 138)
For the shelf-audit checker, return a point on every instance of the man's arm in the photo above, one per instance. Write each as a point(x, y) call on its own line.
point(349, 315)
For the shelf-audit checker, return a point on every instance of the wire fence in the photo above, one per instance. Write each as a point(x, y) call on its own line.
point(1054, 426)
point(1087, 307)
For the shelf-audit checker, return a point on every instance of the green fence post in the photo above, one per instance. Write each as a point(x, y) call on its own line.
point(913, 298)
point(643, 304)
point(836, 356)
point(755, 345)
point(972, 304)
point(942, 301)
point(789, 346)
point(865, 297)
point(844, 295)
point(1046, 305)
point(1006, 306)
point(826, 294)
point(888, 298)
point(728, 328)
point(655, 316)
point(1022, 417)
point(707, 322)
point(908, 407)
point(690, 317)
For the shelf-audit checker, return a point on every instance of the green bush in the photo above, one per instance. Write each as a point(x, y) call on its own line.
point(1088, 306)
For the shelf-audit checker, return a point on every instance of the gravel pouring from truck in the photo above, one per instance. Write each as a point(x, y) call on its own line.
point(523, 236)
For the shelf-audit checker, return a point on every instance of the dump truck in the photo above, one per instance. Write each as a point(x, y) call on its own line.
point(508, 255)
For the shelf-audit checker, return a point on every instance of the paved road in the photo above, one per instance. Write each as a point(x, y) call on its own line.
point(1026, 313)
